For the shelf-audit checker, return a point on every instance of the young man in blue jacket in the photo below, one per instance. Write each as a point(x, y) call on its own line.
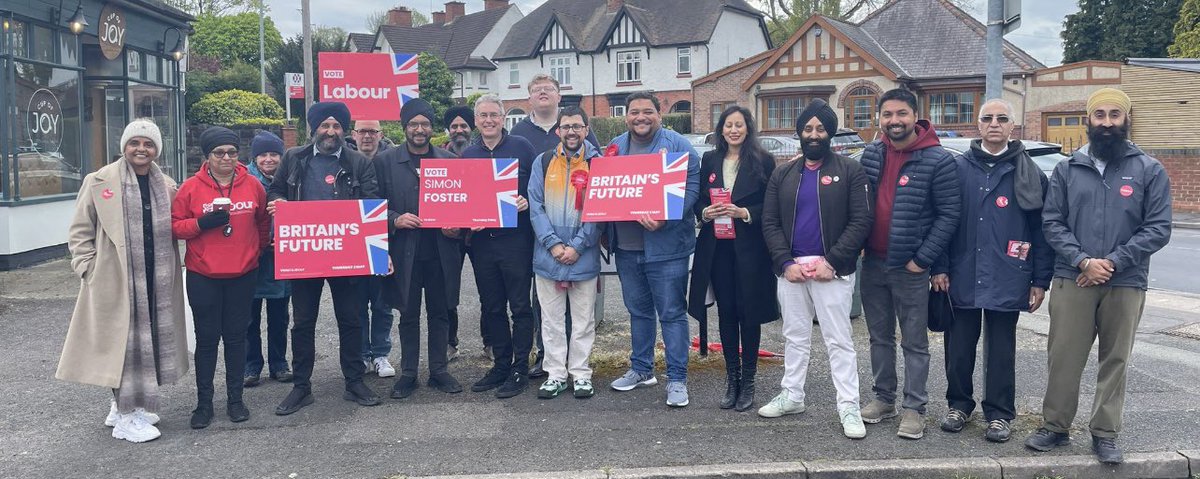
point(566, 256)
point(1108, 210)
point(652, 259)
point(997, 266)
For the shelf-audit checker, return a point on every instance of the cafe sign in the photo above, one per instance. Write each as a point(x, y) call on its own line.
point(112, 31)
point(44, 121)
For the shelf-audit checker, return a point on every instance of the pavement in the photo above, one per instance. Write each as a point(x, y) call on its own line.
point(54, 429)
point(1185, 220)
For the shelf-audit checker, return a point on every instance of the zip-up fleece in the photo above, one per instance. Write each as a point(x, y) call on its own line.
point(210, 252)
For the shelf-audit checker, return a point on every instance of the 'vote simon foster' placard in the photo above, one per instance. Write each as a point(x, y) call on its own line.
point(325, 239)
point(624, 188)
point(467, 192)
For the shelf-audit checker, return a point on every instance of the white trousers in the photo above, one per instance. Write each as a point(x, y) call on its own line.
point(829, 302)
point(567, 356)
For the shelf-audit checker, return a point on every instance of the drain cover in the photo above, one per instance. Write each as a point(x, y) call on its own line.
point(1190, 331)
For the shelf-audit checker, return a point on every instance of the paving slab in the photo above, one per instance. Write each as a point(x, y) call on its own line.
point(964, 467)
point(1144, 465)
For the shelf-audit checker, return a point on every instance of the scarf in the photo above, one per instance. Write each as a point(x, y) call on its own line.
point(151, 348)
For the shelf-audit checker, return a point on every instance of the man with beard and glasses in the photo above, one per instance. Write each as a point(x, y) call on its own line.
point(541, 129)
point(424, 259)
point(460, 122)
point(325, 170)
point(997, 266)
point(502, 259)
point(1108, 210)
point(653, 258)
point(375, 314)
point(917, 207)
point(816, 217)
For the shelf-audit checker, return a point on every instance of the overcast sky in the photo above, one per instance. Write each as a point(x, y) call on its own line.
point(1040, 24)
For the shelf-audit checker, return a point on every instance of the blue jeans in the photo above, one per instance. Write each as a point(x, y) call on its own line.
point(656, 290)
point(277, 336)
point(376, 316)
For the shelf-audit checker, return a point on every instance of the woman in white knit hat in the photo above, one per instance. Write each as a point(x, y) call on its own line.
point(127, 332)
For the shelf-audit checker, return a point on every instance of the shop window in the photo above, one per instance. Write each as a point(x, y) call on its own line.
point(97, 66)
point(43, 43)
point(158, 105)
point(47, 141)
point(20, 38)
point(152, 69)
point(68, 50)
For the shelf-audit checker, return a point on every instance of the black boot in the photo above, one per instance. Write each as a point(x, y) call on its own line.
point(746, 395)
point(732, 383)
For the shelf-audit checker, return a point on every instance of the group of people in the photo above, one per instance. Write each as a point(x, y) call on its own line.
point(763, 241)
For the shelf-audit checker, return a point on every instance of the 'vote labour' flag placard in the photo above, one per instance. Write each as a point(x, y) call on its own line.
point(467, 192)
point(625, 188)
point(373, 85)
point(325, 239)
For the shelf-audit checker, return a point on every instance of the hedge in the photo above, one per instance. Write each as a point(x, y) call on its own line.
point(606, 129)
point(231, 107)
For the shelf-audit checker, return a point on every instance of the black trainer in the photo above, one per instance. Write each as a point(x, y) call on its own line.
point(295, 400)
point(1045, 440)
point(955, 420)
point(237, 411)
point(514, 385)
point(997, 431)
point(1106, 450)
point(202, 416)
point(444, 382)
point(405, 387)
point(361, 394)
point(536, 371)
point(493, 379)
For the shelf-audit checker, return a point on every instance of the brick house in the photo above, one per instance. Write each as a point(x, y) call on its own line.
point(600, 51)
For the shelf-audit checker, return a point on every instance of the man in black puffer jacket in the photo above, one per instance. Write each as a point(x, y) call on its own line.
point(917, 207)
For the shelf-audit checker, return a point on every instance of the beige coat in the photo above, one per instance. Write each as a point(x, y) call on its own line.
point(94, 352)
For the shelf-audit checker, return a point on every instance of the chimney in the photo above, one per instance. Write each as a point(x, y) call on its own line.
point(614, 5)
point(439, 18)
point(455, 10)
point(400, 17)
point(494, 4)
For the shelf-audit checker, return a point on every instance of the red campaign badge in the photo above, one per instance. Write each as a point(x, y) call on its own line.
point(712, 177)
point(1002, 201)
point(826, 180)
point(903, 180)
point(106, 194)
point(579, 181)
point(329, 179)
point(1126, 191)
point(612, 150)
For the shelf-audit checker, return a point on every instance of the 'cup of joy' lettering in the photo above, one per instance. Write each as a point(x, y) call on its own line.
point(222, 204)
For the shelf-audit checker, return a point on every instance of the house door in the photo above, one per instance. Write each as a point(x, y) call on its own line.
point(860, 113)
point(1066, 129)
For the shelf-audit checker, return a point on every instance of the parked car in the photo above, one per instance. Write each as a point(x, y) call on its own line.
point(700, 142)
point(847, 142)
point(783, 148)
point(1046, 155)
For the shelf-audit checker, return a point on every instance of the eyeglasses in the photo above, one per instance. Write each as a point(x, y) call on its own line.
point(369, 132)
point(1002, 119)
point(224, 154)
point(420, 124)
point(543, 89)
point(488, 115)
point(572, 127)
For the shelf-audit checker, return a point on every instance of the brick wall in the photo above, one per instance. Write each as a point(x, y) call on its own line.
point(1033, 118)
point(1183, 166)
point(603, 108)
point(726, 89)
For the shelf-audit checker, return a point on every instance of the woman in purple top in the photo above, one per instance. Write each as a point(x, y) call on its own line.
point(731, 255)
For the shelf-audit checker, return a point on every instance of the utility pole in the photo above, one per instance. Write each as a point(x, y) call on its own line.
point(262, 62)
point(308, 54)
point(995, 57)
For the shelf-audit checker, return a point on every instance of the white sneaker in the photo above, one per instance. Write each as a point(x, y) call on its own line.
point(370, 364)
point(134, 428)
point(780, 405)
point(114, 416)
point(852, 423)
point(384, 368)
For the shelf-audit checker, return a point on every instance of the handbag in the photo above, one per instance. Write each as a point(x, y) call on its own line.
point(941, 311)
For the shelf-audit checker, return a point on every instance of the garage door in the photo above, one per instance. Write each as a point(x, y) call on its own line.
point(1066, 129)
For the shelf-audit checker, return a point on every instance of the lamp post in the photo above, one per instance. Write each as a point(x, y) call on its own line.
point(262, 64)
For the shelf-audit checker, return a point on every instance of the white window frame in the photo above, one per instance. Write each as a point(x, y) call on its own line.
point(629, 60)
point(483, 79)
point(683, 55)
point(514, 74)
point(618, 110)
point(560, 69)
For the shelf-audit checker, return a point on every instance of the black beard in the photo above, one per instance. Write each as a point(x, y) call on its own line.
point(336, 143)
point(460, 139)
point(816, 152)
point(1107, 143)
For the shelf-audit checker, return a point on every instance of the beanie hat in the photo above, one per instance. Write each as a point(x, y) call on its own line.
point(144, 128)
point(413, 108)
point(821, 110)
point(463, 112)
point(319, 111)
point(216, 136)
point(1108, 96)
point(265, 142)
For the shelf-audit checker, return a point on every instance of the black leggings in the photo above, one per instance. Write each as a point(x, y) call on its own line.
point(732, 323)
point(220, 313)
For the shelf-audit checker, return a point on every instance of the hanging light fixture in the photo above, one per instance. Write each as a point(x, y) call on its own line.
point(176, 51)
point(77, 22)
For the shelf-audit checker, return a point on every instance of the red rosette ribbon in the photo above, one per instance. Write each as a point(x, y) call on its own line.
point(612, 150)
point(579, 180)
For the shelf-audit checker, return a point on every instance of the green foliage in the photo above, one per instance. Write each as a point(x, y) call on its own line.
point(436, 84)
point(213, 7)
point(472, 98)
point(392, 131)
point(784, 17)
point(258, 122)
point(233, 38)
point(1119, 29)
point(377, 19)
point(290, 57)
point(679, 122)
point(1187, 31)
point(606, 129)
point(233, 106)
point(238, 76)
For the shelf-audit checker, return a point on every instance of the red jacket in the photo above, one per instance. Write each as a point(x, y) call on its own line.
point(209, 252)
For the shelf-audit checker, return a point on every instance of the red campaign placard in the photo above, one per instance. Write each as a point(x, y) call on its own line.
point(469, 192)
point(624, 188)
point(325, 239)
point(373, 85)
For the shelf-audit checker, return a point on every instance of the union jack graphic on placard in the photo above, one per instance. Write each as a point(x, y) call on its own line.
point(377, 245)
point(506, 200)
point(674, 193)
point(404, 67)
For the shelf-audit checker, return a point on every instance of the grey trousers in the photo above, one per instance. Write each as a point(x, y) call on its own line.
point(1077, 317)
point(891, 297)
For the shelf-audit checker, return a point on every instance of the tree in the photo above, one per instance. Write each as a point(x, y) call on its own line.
point(232, 38)
point(436, 84)
point(1119, 29)
point(378, 19)
point(1187, 31)
point(238, 76)
point(786, 16)
point(214, 7)
point(289, 59)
